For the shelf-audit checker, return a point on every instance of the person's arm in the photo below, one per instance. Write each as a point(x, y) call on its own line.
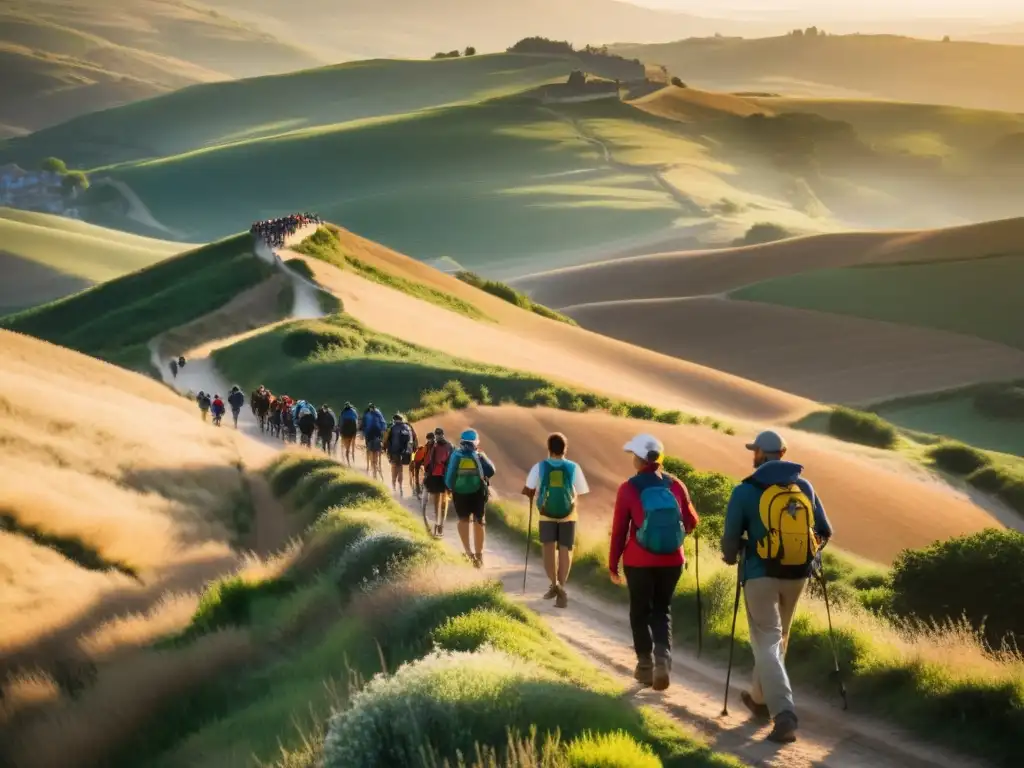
point(579, 482)
point(449, 474)
point(532, 481)
point(734, 527)
point(822, 525)
point(487, 465)
point(620, 527)
point(688, 513)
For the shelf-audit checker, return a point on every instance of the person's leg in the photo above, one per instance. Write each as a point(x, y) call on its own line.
point(463, 513)
point(640, 583)
point(394, 473)
point(479, 531)
point(664, 587)
point(548, 533)
point(771, 683)
point(566, 544)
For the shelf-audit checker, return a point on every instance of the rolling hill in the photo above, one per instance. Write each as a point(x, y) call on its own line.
point(917, 346)
point(465, 159)
point(964, 74)
point(61, 58)
point(44, 257)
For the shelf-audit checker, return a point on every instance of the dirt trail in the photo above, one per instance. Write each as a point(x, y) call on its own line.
point(599, 630)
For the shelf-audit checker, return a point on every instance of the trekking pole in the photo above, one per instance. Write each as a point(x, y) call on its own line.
point(732, 638)
point(831, 634)
point(700, 609)
point(529, 528)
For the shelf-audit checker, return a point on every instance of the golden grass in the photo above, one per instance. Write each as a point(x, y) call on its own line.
point(104, 466)
point(124, 697)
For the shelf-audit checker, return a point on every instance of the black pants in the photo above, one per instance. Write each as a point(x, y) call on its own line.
point(650, 601)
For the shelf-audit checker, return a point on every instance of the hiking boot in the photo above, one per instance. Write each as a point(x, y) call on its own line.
point(478, 560)
point(784, 731)
point(561, 599)
point(438, 531)
point(662, 672)
point(760, 711)
point(644, 672)
point(552, 593)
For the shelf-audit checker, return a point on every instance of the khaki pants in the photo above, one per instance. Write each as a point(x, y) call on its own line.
point(771, 604)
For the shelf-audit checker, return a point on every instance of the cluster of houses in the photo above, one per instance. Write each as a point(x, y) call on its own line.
point(36, 191)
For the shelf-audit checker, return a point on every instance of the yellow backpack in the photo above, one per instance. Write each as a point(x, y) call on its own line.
point(790, 545)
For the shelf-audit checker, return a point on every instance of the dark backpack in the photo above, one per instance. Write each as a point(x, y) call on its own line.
point(401, 438)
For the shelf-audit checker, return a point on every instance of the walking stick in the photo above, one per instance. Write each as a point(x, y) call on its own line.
point(700, 609)
point(820, 575)
point(732, 638)
point(529, 528)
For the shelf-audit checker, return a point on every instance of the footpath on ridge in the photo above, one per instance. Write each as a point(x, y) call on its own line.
point(599, 629)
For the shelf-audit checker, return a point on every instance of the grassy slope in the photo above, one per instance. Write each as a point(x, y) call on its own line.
point(878, 66)
point(224, 112)
point(115, 320)
point(76, 248)
point(983, 290)
point(61, 59)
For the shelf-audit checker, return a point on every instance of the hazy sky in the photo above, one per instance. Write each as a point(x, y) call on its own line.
point(822, 10)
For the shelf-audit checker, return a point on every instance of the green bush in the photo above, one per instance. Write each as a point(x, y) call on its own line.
point(861, 427)
point(990, 479)
point(1001, 402)
point(669, 417)
point(512, 296)
point(764, 232)
point(978, 577)
point(958, 458)
point(304, 342)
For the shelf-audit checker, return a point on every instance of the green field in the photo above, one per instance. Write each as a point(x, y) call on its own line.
point(114, 321)
point(954, 415)
point(77, 248)
point(978, 297)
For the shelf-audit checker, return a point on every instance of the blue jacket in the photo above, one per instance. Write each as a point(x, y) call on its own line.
point(350, 414)
point(744, 516)
point(461, 452)
point(374, 421)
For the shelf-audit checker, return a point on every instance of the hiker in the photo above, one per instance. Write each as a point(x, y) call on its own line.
point(236, 400)
point(435, 470)
point(181, 362)
point(652, 515)
point(419, 460)
point(556, 483)
point(773, 569)
point(304, 417)
point(348, 426)
point(204, 403)
point(274, 419)
point(374, 425)
point(217, 409)
point(401, 441)
point(174, 368)
point(325, 422)
point(468, 478)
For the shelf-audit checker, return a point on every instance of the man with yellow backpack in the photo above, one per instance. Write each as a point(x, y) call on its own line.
point(775, 527)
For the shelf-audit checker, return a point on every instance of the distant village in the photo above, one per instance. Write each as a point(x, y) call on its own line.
point(51, 189)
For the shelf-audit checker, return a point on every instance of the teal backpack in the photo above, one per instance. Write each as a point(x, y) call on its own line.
point(555, 496)
point(662, 531)
point(469, 474)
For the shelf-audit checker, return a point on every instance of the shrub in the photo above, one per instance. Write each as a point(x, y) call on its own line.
point(512, 296)
point(545, 397)
point(610, 750)
point(54, 165)
point(860, 427)
point(958, 458)
point(641, 411)
point(765, 232)
point(978, 577)
point(303, 343)
point(1001, 402)
point(470, 51)
point(669, 417)
point(678, 83)
point(990, 479)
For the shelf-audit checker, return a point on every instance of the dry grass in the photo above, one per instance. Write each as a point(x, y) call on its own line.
point(100, 467)
point(124, 697)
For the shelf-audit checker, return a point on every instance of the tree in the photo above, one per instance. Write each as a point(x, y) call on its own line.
point(946, 39)
point(678, 83)
point(74, 181)
point(54, 165)
point(811, 32)
point(577, 80)
point(470, 51)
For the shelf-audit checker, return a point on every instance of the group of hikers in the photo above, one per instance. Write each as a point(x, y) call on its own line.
point(176, 365)
point(214, 405)
point(275, 231)
point(775, 528)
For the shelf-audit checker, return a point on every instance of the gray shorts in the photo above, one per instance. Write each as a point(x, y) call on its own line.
point(562, 534)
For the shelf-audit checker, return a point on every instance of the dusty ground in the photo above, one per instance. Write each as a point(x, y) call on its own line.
point(878, 504)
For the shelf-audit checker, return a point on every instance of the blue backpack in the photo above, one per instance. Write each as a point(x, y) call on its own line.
point(662, 531)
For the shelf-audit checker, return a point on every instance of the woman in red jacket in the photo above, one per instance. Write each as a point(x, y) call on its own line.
point(652, 510)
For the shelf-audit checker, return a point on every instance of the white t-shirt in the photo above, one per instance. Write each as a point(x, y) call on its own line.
point(579, 481)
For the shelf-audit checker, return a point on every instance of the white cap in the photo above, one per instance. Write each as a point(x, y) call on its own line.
point(646, 446)
point(768, 442)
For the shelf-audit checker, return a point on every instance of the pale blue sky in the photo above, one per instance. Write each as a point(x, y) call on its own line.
point(868, 10)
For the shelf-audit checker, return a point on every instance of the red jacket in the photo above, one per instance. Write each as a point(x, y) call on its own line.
point(629, 517)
